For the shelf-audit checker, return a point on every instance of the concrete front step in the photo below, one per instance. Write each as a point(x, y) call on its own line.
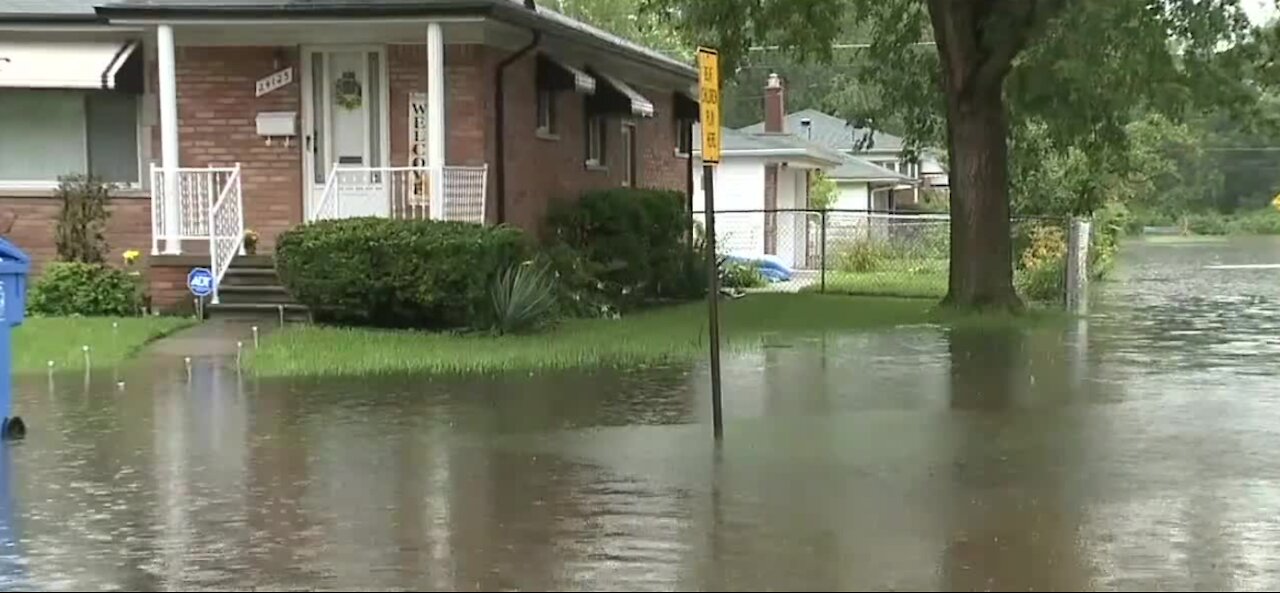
point(251, 277)
point(253, 261)
point(264, 311)
point(269, 294)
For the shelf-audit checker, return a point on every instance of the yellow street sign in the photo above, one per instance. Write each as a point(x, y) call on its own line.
point(709, 99)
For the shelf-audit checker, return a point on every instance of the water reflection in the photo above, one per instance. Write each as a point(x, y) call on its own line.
point(1108, 453)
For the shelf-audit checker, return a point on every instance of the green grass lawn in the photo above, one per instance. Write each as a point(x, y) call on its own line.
point(900, 283)
point(61, 339)
point(670, 334)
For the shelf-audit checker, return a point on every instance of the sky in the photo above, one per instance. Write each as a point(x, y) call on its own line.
point(1259, 11)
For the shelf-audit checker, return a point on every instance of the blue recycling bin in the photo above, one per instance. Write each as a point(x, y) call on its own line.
point(14, 265)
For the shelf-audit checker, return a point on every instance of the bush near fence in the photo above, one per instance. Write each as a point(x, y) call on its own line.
point(889, 254)
point(625, 248)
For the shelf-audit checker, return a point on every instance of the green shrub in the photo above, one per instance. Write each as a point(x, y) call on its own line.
point(1042, 265)
point(1110, 223)
point(398, 273)
point(524, 298)
point(1257, 222)
point(863, 256)
point(1044, 282)
point(579, 292)
point(90, 290)
point(1205, 223)
point(632, 245)
point(78, 234)
point(740, 275)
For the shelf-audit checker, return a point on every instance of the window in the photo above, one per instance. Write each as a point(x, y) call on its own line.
point(629, 153)
point(595, 140)
point(546, 112)
point(684, 137)
point(890, 165)
point(50, 133)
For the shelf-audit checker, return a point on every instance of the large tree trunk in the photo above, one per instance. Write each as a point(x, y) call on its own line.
point(981, 235)
point(975, 56)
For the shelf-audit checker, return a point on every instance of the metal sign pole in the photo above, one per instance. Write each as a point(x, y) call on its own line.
point(713, 299)
point(709, 102)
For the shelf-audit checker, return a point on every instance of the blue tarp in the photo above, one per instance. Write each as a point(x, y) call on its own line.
point(771, 266)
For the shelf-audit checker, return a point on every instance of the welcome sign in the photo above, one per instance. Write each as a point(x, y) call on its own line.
point(418, 147)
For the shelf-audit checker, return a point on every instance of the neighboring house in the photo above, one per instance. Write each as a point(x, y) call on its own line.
point(214, 116)
point(760, 172)
point(879, 148)
point(769, 168)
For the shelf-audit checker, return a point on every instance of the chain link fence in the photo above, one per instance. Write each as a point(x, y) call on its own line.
point(872, 253)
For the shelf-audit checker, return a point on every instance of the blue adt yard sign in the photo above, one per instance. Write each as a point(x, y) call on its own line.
point(200, 281)
point(14, 265)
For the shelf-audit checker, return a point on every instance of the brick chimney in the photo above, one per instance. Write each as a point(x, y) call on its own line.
point(775, 108)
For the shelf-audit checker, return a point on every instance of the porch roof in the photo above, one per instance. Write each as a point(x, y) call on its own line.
point(514, 12)
point(853, 168)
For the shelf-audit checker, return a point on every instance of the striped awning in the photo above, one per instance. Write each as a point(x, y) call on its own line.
point(554, 73)
point(639, 104)
point(69, 65)
point(583, 82)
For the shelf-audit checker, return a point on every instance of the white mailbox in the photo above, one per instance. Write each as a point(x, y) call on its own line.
point(278, 123)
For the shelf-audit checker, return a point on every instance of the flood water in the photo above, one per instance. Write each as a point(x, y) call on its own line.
point(1134, 449)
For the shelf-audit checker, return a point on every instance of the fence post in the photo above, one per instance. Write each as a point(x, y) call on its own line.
point(823, 239)
point(1078, 265)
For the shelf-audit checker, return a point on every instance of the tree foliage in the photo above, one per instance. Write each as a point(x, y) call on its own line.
point(629, 19)
point(1064, 77)
point(823, 191)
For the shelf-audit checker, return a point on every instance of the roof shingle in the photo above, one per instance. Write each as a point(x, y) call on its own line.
point(834, 132)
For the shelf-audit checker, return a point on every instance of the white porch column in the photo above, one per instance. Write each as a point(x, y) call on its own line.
point(435, 116)
point(169, 139)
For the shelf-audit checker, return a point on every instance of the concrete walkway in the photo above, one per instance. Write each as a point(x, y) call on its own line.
point(214, 337)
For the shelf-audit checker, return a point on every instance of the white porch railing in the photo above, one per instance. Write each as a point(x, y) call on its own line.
point(208, 206)
point(198, 188)
point(226, 240)
point(404, 193)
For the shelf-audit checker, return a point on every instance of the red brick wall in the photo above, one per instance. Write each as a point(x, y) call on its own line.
point(468, 80)
point(217, 126)
point(129, 227)
point(167, 286)
point(540, 172)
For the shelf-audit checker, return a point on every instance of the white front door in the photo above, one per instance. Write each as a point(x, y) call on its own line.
point(345, 127)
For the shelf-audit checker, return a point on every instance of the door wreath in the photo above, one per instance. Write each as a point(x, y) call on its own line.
point(347, 90)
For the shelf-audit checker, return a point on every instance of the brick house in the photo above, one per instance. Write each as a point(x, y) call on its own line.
point(217, 116)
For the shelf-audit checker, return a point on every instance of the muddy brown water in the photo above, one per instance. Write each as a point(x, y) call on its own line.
point(1134, 449)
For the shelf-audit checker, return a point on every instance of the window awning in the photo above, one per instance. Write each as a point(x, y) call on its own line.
point(619, 94)
point(687, 107)
point(554, 74)
point(71, 65)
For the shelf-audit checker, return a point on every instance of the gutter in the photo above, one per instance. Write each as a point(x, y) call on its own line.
point(500, 121)
point(502, 10)
point(50, 18)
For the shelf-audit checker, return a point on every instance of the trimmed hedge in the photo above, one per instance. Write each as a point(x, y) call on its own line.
point(633, 244)
point(398, 273)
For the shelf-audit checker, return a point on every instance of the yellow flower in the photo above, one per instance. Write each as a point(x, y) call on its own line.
point(131, 256)
point(1276, 202)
